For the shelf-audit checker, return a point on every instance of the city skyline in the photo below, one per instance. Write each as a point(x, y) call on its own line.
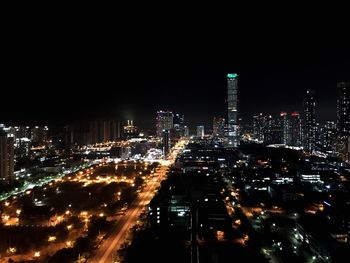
point(175, 142)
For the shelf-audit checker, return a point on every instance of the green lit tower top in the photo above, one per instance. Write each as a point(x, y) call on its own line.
point(232, 75)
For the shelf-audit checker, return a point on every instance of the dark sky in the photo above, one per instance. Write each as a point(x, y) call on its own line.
point(62, 68)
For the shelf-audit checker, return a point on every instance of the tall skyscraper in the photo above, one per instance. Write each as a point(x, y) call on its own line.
point(284, 124)
point(328, 135)
point(165, 141)
point(232, 118)
point(295, 129)
point(178, 130)
point(342, 144)
point(343, 107)
point(6, 158)
point(274, 130)
point(178, 121)
point(186, 131)
point(165, 121)
point(200, 131)
point(259, 122)
point(219, 126)
point(309, 122)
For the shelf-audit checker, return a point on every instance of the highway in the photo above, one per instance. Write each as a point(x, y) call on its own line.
point(107, 251)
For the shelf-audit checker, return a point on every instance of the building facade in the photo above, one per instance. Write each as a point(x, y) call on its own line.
point(218, 126)
point(309, 122)
point(232, 112)
point(6, 158)
point(342, 144)
point(164, 121)
point(200, 131)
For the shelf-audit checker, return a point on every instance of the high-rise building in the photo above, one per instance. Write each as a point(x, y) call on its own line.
point(283, 129)
point(178, 130)
point(200, 131)
point(6, 158)
point(328, 135)
point(219, 126)
point(343, 107)
point(178, 121)
point(342, 143)
point(309, 122)
point(284, 124)
point(101, 131)
point(273, 130)
point(129, 130)
point(22, 147)
point(232, 118)
point(295, 130)
point(39, 135)
point(165, 141)
point(165, 121)
point(186, 131)
point(259, 122)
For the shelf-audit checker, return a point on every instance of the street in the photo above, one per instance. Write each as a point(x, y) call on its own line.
point(107, 251)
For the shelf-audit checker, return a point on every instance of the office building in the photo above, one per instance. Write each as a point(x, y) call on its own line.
point(6, 158)
point(186, 131)
point(165, 141)
point(219, 126)
point(343, 108)
point(283, 129)
point(328, 136)
point(200, 131)
point(295, 130)
point(309, 122)
point(258, 127)
point(273, 130)
point(164, 121)
point(342, 143)
point(101, 131)
point(178, 130)
point(129, 130)
point(178, 121)
point(39, 135)
point(283, 122)
point(232, 118)
point(22, 148)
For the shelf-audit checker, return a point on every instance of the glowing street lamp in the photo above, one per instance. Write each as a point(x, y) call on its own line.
point(51, 239)
point(69, 243)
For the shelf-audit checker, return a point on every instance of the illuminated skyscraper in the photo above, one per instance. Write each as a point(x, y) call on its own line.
point(165, 141)
point(343, 120)
point(165, 121)
point(178, 121)
point(6, 158)
point(284, 124)
point(259, 122)
point(295, 131)
point(178, 130)
point(219, 126)
point(328, 134)
point(232, 123)
point(343, 107)
point(309, 122)
point(200, 131)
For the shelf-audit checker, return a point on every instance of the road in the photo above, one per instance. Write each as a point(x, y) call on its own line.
point(107, 251)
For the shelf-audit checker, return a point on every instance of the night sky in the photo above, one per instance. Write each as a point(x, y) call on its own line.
point(60, 70)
